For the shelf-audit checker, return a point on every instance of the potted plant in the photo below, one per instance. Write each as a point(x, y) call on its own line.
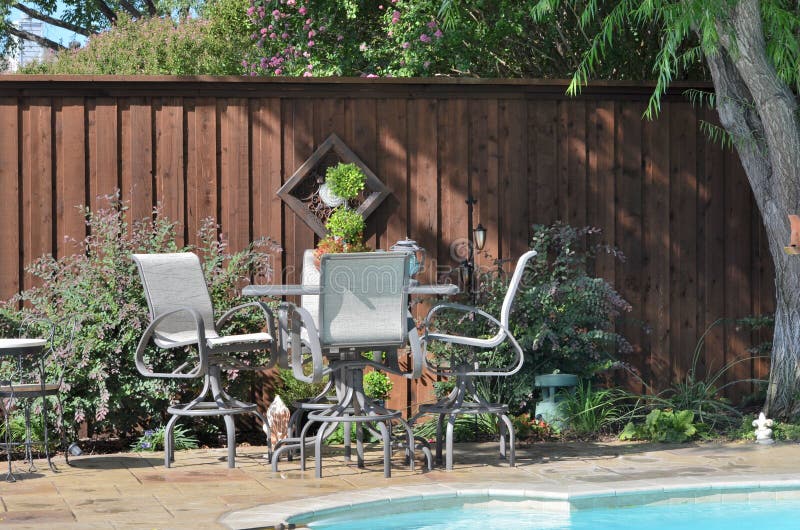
point(343, 182)
point(345, 234)
point(377, 385)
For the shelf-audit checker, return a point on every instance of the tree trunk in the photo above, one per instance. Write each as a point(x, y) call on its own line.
point(760, 111)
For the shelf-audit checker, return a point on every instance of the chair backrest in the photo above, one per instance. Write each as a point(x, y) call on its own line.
point(513, 287)
point(175, 281)
point(364, 299)
point(310, 276)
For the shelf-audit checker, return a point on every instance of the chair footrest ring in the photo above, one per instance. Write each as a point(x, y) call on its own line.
point(210, 408)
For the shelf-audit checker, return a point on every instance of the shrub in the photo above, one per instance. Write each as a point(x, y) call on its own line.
point(153, 440)
point(663, 426)
point(467, 427)
point(345, 180)
point(590, 411)
point(531, 429)
point(292, 390)
point(563, 318)
point(100, 285)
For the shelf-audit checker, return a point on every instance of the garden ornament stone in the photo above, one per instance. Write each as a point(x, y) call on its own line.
point(763, 431)
point(278, 420)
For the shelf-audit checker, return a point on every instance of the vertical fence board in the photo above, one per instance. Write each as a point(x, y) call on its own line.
point(656, 234)
point(169, 136)
point(601, 207)
point(628, 225)
point(738, 244)
point(201, 164)
point(266, 133)
point(711, 198)
point(37, 182)
point(454, 231)
point(137, 157)
point(683, 212)
point(70, 174)
point(9, 195)
point(103, 150)
point(234, 172)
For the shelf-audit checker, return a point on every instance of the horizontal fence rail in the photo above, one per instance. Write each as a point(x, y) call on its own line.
point(678, 206)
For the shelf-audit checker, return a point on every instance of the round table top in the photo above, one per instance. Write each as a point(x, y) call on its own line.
point(21, 345)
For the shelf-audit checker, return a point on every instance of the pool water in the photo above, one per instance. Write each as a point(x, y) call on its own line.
point(774, 515)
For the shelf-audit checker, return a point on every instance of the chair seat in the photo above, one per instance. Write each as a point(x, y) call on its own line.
point(31, 389)
point(245, 338)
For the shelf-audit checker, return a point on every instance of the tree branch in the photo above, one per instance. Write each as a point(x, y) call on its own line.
point(107, 11)
point(52, 21)
point(130, 8)
point(151, 7)
point(22, 34)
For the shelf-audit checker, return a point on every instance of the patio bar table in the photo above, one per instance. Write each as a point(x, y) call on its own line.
point(346, 381)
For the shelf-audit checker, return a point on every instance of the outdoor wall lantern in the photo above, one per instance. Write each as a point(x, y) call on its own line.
point(478, 241)
point(417, 253)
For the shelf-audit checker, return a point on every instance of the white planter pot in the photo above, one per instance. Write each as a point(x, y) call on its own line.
point(328, 197)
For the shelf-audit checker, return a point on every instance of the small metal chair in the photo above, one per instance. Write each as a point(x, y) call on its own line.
point(464, 398)
point(26, 360)
point(182, 316)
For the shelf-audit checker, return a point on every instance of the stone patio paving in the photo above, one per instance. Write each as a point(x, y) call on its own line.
point(133, 490)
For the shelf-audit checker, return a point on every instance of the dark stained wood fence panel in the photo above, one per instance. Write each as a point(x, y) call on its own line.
point(9, 195)
point(676, 205)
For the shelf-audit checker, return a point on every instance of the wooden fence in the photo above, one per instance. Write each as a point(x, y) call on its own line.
point(677, 206)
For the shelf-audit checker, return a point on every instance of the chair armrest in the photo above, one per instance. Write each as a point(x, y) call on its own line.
point(495, 341)
point(300, 318)
point(466, 309)
point(269, 318)
point(197, 371)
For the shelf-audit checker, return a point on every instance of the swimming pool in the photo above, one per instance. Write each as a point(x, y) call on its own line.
point(706, 511)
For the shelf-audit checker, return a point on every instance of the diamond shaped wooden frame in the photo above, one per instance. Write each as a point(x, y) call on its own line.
point(376, 192)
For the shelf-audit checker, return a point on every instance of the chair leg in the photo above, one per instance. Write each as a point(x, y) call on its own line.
point(346, 430)
point(169, 450)
point(61, 430)
point(511, 440)
point(230, 428)
point(503, 429)
point(439, 429)
point(9, 476)
point(46, 438)
point(451, 422)
point(387, 449)
point(29, 437)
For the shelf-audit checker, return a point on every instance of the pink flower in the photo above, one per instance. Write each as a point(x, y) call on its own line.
point(311, 44)
point(278, 71)
point(290, 2)
point(363, 47)
point(380, 7)
point(284, 35)
point(251, 10)
point(310, 66)
point(438, 34)
point(307, 74)
point(263, 31)
point(311, 33)
point(370, 75)
point(273, 36)
point(424, 37)
point(339, 37)
point(395, 17)
point(276, 14)
point(322, 29)
point(390, 33)
point(432, 24)
point(302, 10)
point(406, 45)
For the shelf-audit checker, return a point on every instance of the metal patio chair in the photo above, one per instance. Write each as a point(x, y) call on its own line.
point(182, 318)
point(362, 307)
point(26, 361)
point(464, 398)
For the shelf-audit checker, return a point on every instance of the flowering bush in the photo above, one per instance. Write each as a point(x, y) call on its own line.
point(532, 429)
point(100, 286)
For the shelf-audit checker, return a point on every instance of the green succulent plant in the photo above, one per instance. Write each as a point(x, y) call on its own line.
point(346, 224)
point(345, 180)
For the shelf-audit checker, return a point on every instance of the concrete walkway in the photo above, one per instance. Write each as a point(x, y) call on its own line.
point(132, 490)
